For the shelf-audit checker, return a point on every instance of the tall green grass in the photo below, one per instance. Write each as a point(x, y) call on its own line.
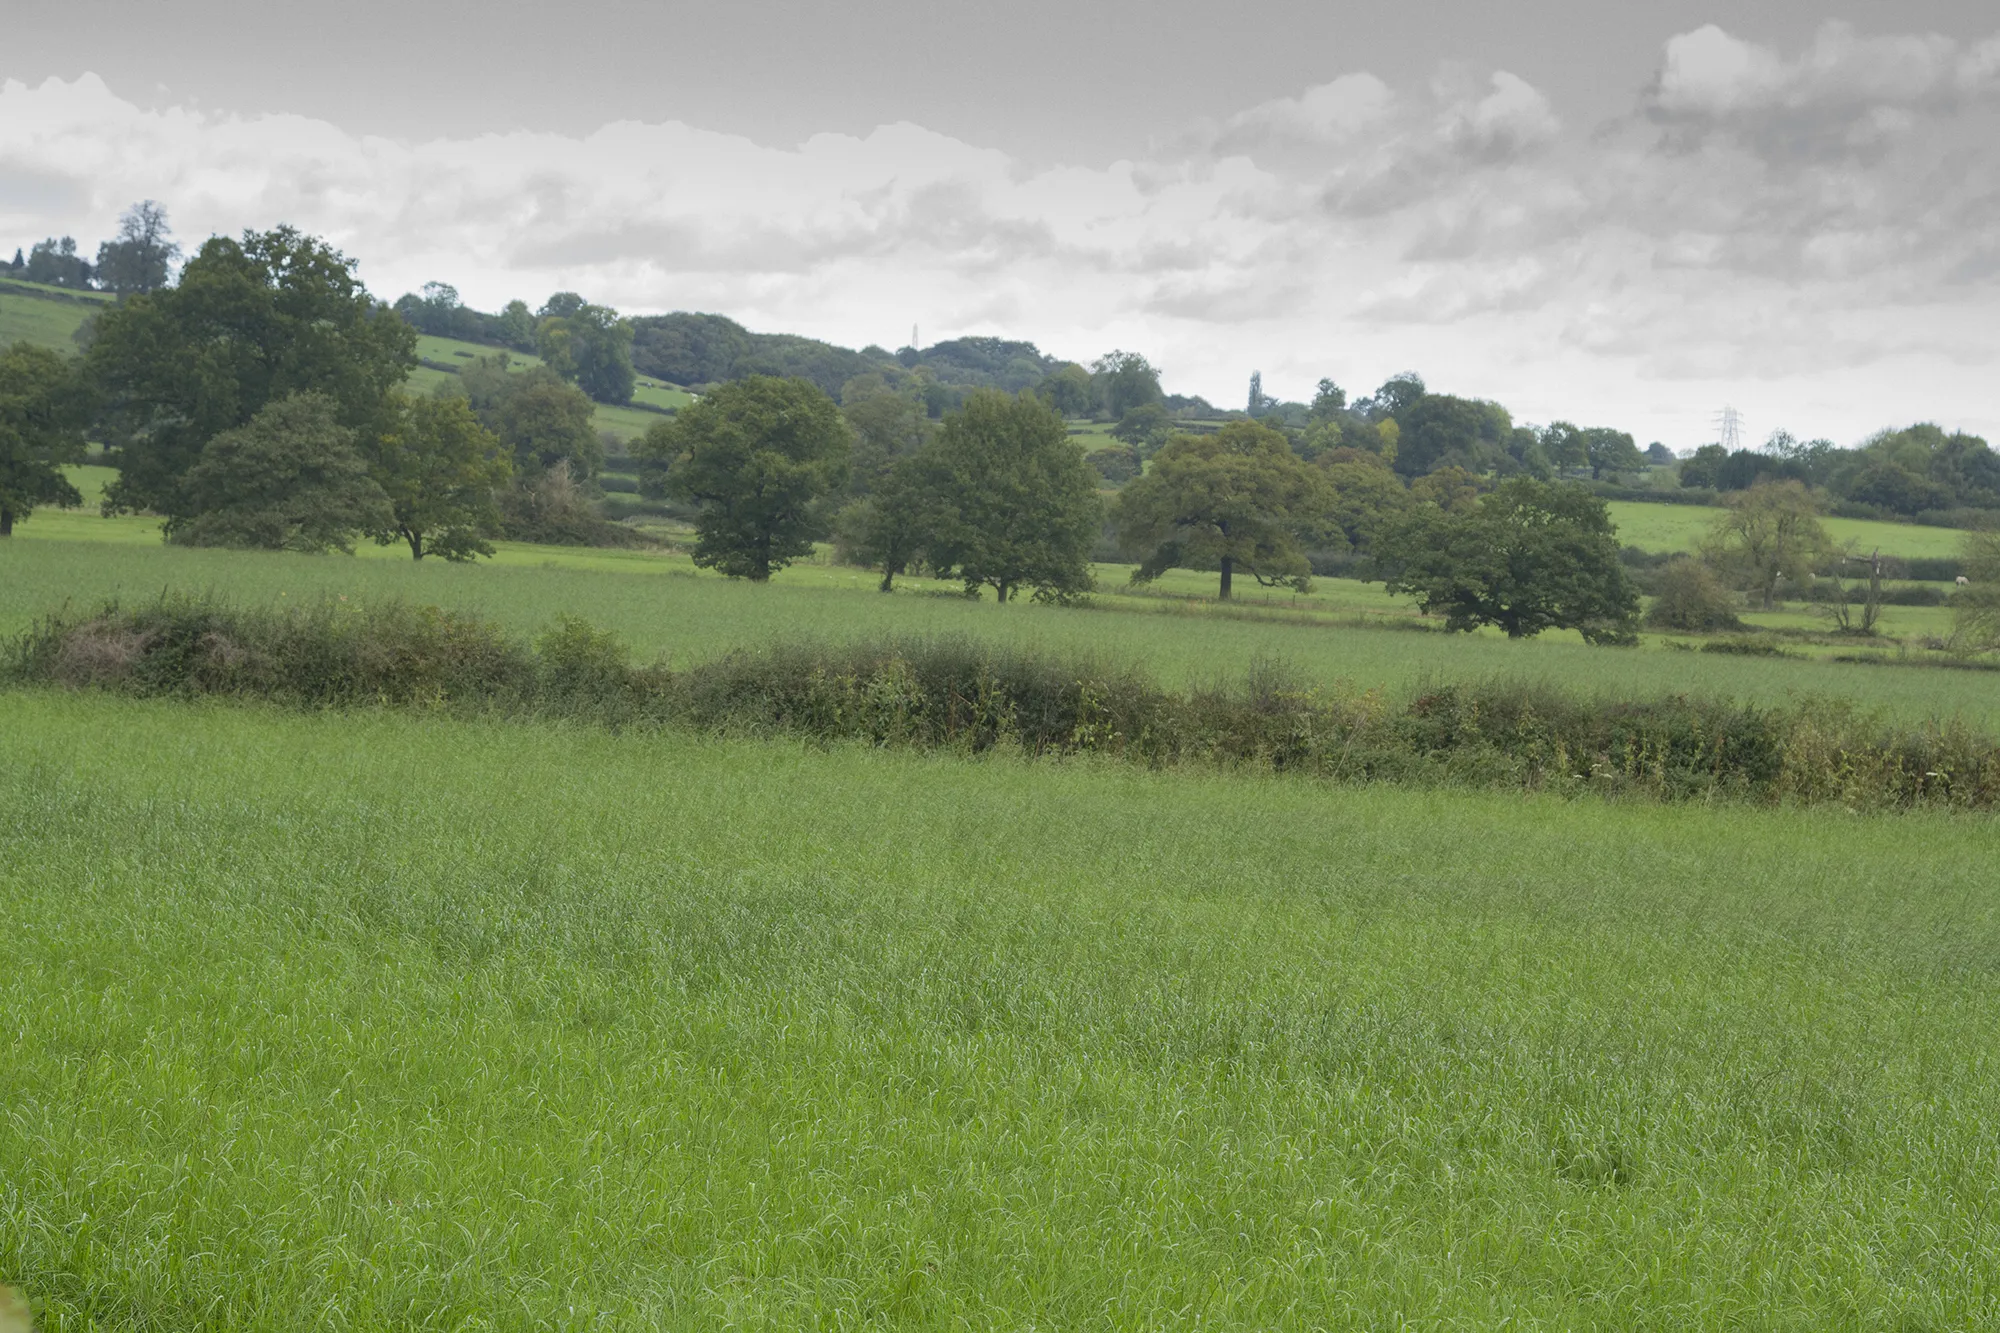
point(374, 1021)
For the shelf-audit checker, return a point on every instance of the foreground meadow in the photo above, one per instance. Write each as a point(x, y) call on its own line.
point(373, 1021)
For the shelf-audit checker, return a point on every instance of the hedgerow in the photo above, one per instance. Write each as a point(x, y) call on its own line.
point(958, 694)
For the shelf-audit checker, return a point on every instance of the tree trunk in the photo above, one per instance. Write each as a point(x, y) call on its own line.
point(1001, 588)
point(888, 578)
point(1228, 568)
point(6, 522)
point(416, 540)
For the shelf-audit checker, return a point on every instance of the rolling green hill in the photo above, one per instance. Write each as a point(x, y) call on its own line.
point(51, 316)
point(47, 316)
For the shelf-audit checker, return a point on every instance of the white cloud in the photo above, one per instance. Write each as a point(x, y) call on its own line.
point(1810, 235)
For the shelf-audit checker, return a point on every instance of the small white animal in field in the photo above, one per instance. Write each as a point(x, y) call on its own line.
point(1964, 582)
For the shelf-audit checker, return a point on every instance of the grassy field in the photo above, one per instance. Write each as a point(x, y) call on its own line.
point(661, 605)
point(46, 316)
point(1669, 527)
point(378, 1022)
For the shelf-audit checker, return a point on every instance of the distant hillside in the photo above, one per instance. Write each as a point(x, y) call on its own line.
point(46, 316)
point(694, 349)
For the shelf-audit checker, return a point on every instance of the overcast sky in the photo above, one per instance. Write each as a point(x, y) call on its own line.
point(1621, 213)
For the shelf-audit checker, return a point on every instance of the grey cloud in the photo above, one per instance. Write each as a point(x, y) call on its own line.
point(30, 190)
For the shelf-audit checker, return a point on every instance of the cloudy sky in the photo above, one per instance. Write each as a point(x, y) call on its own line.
point(1621, 213)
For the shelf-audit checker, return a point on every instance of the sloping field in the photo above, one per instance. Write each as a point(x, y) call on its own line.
point(1667, 527)
point(371, 1022)
point(47, 316)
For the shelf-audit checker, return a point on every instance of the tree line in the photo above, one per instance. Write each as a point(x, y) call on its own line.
point(1919, 472)
point(259, 400)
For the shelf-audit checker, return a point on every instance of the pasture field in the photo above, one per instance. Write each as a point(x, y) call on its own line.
point(627, 423)
point(375, 1021)
point(46, 316)
point(664, 608)
point(1671, 527)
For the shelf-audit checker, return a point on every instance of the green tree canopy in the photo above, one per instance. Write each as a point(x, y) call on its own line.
point(1237, 499)
point(142, 256)
point(439, 467)
point(250, 322)
point(758, 455)
point(1021, 501)
point(893, 527)
point(588, 344)
point(1146, 428)
point(1530, 556)
point(42, 412)
point(1125, 380)
point(545, 422)
point(54, 262)
point(1770, 534)
point(1609, 450)
point(1069, 391)
point(1439, 430)
point(290, 479)
point(889, 424)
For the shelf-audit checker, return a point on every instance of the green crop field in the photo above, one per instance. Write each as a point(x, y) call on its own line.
point(661, 605)
point(1670, 527)
point(372, 1021)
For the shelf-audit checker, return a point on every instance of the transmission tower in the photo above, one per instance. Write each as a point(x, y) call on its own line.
point(1729, 429)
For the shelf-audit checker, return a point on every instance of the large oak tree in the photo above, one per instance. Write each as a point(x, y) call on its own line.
point(1237, 499)
point(758, 456)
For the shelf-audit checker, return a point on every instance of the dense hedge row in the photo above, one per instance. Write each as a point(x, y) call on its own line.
point(973, 697)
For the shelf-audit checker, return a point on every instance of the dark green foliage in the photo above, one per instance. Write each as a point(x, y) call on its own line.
point(1236, 499)
point(695, 349)
point(249, 322)
point(1145, 428)
point(140, 259)
point(1530, 556)
point(291, 479)
point(759, 456)
point(972, 697)
point(685, 348)
point(1117, 463)
point(55, 263)
point(998, 363)
point(893, 528)
point(1691, 597)
point(42, 411)
point(889, 424)
point(1068, 390)
point(1124, 381)
point(440, 313)
point(1438, 430)
point(545, 422)
point(439, 468)
point(588, 345)
point(1019, 503)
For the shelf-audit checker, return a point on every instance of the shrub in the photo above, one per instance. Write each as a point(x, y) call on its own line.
point(1691, 598)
